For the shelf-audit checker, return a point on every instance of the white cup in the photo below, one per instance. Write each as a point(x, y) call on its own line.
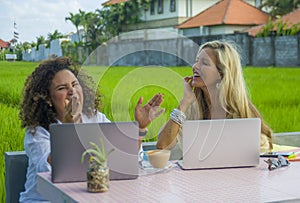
point(158, 157)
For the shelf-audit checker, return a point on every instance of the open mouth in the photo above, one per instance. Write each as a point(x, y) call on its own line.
point(196, 74)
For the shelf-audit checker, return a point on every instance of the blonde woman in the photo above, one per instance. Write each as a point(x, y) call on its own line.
point(215, 91)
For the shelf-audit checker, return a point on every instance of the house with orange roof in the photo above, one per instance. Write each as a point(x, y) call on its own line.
point(174, 15)
point(224, 17)
point(289, 19)
point(4, 44)
point(111, 2)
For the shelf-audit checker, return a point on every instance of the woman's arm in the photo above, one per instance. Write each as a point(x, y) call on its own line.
point(168, 134)
point(37, 147)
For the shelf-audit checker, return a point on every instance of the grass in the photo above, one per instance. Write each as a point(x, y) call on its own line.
point(13, 75)
point(274, 91)
point(11, 139)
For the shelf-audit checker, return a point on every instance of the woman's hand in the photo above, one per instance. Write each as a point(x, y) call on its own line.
point(72, 113)
point(188, 95)
point(144, 115)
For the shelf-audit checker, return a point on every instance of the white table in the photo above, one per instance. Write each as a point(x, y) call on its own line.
point(254, 184)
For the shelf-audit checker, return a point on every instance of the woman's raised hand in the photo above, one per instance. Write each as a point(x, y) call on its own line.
point(144, 115)
point(188, 94)
point(72, 112)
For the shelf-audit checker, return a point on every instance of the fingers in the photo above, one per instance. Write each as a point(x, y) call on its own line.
point(188, 80)
point(156, 100)
point(68, 106)
point(140, 101)
point(154, 113)
point(160, 112)
point(74, 106)
point(77, 118)
point(72, 112)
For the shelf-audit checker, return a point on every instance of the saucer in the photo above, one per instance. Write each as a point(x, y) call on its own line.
point(149, 169)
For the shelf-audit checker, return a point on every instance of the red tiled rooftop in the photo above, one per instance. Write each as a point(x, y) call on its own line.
point(289, 19)
point(4, 44)
point(229, 12)
point(292, 18)
point(111, 2)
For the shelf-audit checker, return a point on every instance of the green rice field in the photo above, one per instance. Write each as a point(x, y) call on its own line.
point(274, 91)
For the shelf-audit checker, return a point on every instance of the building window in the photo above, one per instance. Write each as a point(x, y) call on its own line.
point(152, 7)
point(172, 5)
point(160, 6)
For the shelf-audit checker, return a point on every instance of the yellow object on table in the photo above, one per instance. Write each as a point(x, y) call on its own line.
point(277, 148)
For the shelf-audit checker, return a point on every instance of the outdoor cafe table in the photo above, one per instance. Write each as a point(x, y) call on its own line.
point(252, 184)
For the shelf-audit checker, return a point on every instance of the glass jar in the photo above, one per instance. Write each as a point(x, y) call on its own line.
point(97, 178)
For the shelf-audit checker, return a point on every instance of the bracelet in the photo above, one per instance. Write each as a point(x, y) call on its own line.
point(177, 116)
point(143, 133)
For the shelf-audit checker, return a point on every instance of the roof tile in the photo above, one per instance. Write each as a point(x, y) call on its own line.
point(111, 2)
point(4, 44)
point(229, 12)
point(290, 19)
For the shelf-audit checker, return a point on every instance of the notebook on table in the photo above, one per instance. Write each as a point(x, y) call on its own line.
point(220, 143)
point(69, 141)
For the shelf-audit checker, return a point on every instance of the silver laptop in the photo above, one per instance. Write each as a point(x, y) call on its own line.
point(220, 143)
point(69, 141)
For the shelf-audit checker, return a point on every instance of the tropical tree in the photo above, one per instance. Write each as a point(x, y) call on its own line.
point(279, 7)
point(76, 20)
point(33, 44)
point(26, 45)
point(84, 20)
point(40, 40)
point(95, 33)
point(106, 23)
point(87, 20)
point(119, 16)
point(53, 36)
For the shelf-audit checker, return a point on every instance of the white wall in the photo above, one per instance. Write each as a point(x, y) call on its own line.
point(226, 29)
point(184, 8)
point(150, 34)
point(166, 12)
point(199, 6)
point(55, 48)
point(44, 53)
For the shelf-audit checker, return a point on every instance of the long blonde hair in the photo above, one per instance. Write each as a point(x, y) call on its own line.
point(233, 93)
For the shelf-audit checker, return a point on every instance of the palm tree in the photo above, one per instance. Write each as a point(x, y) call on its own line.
point(85, 21)
point(53, 36)
point(33, 44)
point(40, 40)
point(95, 30)
point(76, 20)
point(25, 46)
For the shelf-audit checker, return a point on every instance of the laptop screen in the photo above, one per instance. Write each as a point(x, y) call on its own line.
point(221, 143)
point(69, 141)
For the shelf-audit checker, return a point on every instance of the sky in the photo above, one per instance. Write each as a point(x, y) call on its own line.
point(36, 18)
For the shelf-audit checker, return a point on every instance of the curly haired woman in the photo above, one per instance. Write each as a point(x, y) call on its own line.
point(215, 91)
point(54, 93)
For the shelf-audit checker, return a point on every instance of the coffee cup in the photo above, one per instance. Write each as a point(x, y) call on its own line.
point(158, 157)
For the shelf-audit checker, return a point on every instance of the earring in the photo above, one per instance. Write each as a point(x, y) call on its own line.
point(218, 83)
point(50, 104)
